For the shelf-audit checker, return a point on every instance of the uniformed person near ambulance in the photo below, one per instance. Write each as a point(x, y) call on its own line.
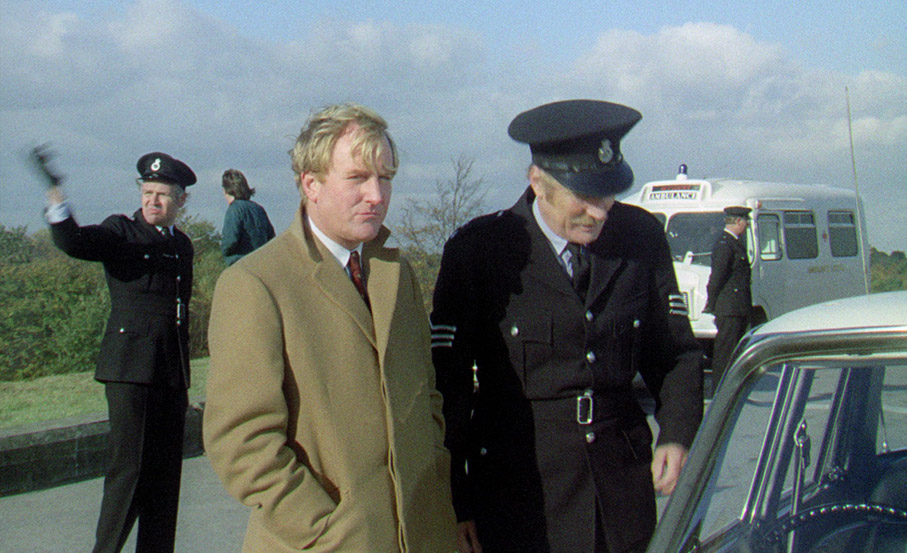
point(144, 356)
point(543, 314)
point(730, 298)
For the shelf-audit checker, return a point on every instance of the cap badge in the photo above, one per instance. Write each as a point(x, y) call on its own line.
point(605, 152)
point(156, 166)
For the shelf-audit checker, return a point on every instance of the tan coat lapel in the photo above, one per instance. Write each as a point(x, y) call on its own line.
point(334, 282)
point(382, 265)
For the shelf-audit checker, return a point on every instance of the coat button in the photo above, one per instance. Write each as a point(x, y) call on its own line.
point(483, 451)
point(590, 357)
point(590, 437)
point(122, 330)
point(147, 256)
point(514, 331)
point(636, 323)
point(589, 316)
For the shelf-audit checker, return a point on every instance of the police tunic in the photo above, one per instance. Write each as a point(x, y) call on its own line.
point(729, 298)
point(542, 421)
point(729, 282)
point(150, 281)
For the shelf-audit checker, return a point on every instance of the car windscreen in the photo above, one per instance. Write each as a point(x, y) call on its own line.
point(694, 234)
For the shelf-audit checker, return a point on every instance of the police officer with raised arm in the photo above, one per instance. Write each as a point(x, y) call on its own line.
point(144, 356)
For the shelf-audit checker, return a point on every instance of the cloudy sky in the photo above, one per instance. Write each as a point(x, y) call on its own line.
point(731, 88)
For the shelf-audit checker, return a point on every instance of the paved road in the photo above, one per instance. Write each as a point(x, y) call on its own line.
point(63, 518)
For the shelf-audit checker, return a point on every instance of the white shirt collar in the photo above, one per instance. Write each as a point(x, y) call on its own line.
point(557, 242)
point(340, 253)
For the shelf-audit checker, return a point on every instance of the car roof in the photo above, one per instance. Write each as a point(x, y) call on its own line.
point(874, 310)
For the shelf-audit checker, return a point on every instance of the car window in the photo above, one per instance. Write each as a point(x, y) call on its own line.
point(800, 235)
point(769, 230)
point(737, 466)
point(694, 234)
point(842, 234)
point(801, 415)
point(892, 424)
point(815, 425)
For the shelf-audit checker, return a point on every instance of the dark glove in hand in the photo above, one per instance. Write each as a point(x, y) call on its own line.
point(41, 157)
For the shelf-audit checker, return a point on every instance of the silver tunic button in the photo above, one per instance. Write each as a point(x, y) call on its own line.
point(589, 316)
point(590, 437)
point(514, 331)
point(122, 330)
point(147, 256)
point(636, 323)
point(590, 357)
point(483, 451)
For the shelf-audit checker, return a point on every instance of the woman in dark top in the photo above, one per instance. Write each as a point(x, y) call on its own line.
point(246, 224)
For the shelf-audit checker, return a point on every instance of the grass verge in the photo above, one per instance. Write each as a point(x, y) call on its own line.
point(67, 395)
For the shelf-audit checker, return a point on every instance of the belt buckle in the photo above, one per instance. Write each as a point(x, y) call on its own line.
point(585, 408)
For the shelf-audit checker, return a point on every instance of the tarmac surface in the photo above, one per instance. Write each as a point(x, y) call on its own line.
point(63, 518)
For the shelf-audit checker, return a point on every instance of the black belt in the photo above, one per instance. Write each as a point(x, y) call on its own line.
point(586, 408)
point(156, 306)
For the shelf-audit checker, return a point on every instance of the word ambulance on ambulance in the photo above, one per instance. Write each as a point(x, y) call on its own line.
point(806, 243)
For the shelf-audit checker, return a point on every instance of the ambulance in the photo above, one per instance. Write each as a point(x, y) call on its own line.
point(806, 243)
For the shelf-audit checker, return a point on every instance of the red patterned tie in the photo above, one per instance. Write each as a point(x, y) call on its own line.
point(356, 274)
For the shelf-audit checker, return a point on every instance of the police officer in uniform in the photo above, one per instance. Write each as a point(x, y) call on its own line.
point(144, 356)
point(543, 314)
point(729, 296)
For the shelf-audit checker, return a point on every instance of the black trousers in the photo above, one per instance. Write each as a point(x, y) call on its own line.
point(601, 544)
point(730, 330)
point(142, 482)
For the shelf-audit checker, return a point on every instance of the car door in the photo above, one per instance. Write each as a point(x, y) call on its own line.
point(808, 434)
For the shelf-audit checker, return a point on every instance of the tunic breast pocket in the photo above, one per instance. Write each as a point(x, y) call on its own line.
point(625, 349)
point(531, 346)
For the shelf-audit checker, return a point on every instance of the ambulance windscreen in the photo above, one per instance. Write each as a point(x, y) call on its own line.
point(693, 235)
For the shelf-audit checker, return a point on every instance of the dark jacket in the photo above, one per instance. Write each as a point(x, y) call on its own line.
point(728, 289)
point(150, 281)
point(246, 228)
point(504, 303)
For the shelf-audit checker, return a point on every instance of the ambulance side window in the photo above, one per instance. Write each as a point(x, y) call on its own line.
point(842, 234)
point(800, 235)
point(769, 227)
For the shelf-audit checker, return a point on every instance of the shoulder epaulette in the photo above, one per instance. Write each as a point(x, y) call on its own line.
point(478, 223)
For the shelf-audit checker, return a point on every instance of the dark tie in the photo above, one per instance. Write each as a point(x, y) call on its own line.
point(356, 274)
point(579, 264)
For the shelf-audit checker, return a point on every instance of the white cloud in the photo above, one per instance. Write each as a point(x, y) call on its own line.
point(730, 105)
point(161, 75)
point(162, 26)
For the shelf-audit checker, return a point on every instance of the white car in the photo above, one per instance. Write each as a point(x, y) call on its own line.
point(804, 447)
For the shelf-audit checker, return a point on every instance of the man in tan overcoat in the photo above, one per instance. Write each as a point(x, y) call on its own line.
point(322, 413)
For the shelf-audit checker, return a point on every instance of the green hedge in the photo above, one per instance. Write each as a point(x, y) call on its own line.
point(54, 308)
